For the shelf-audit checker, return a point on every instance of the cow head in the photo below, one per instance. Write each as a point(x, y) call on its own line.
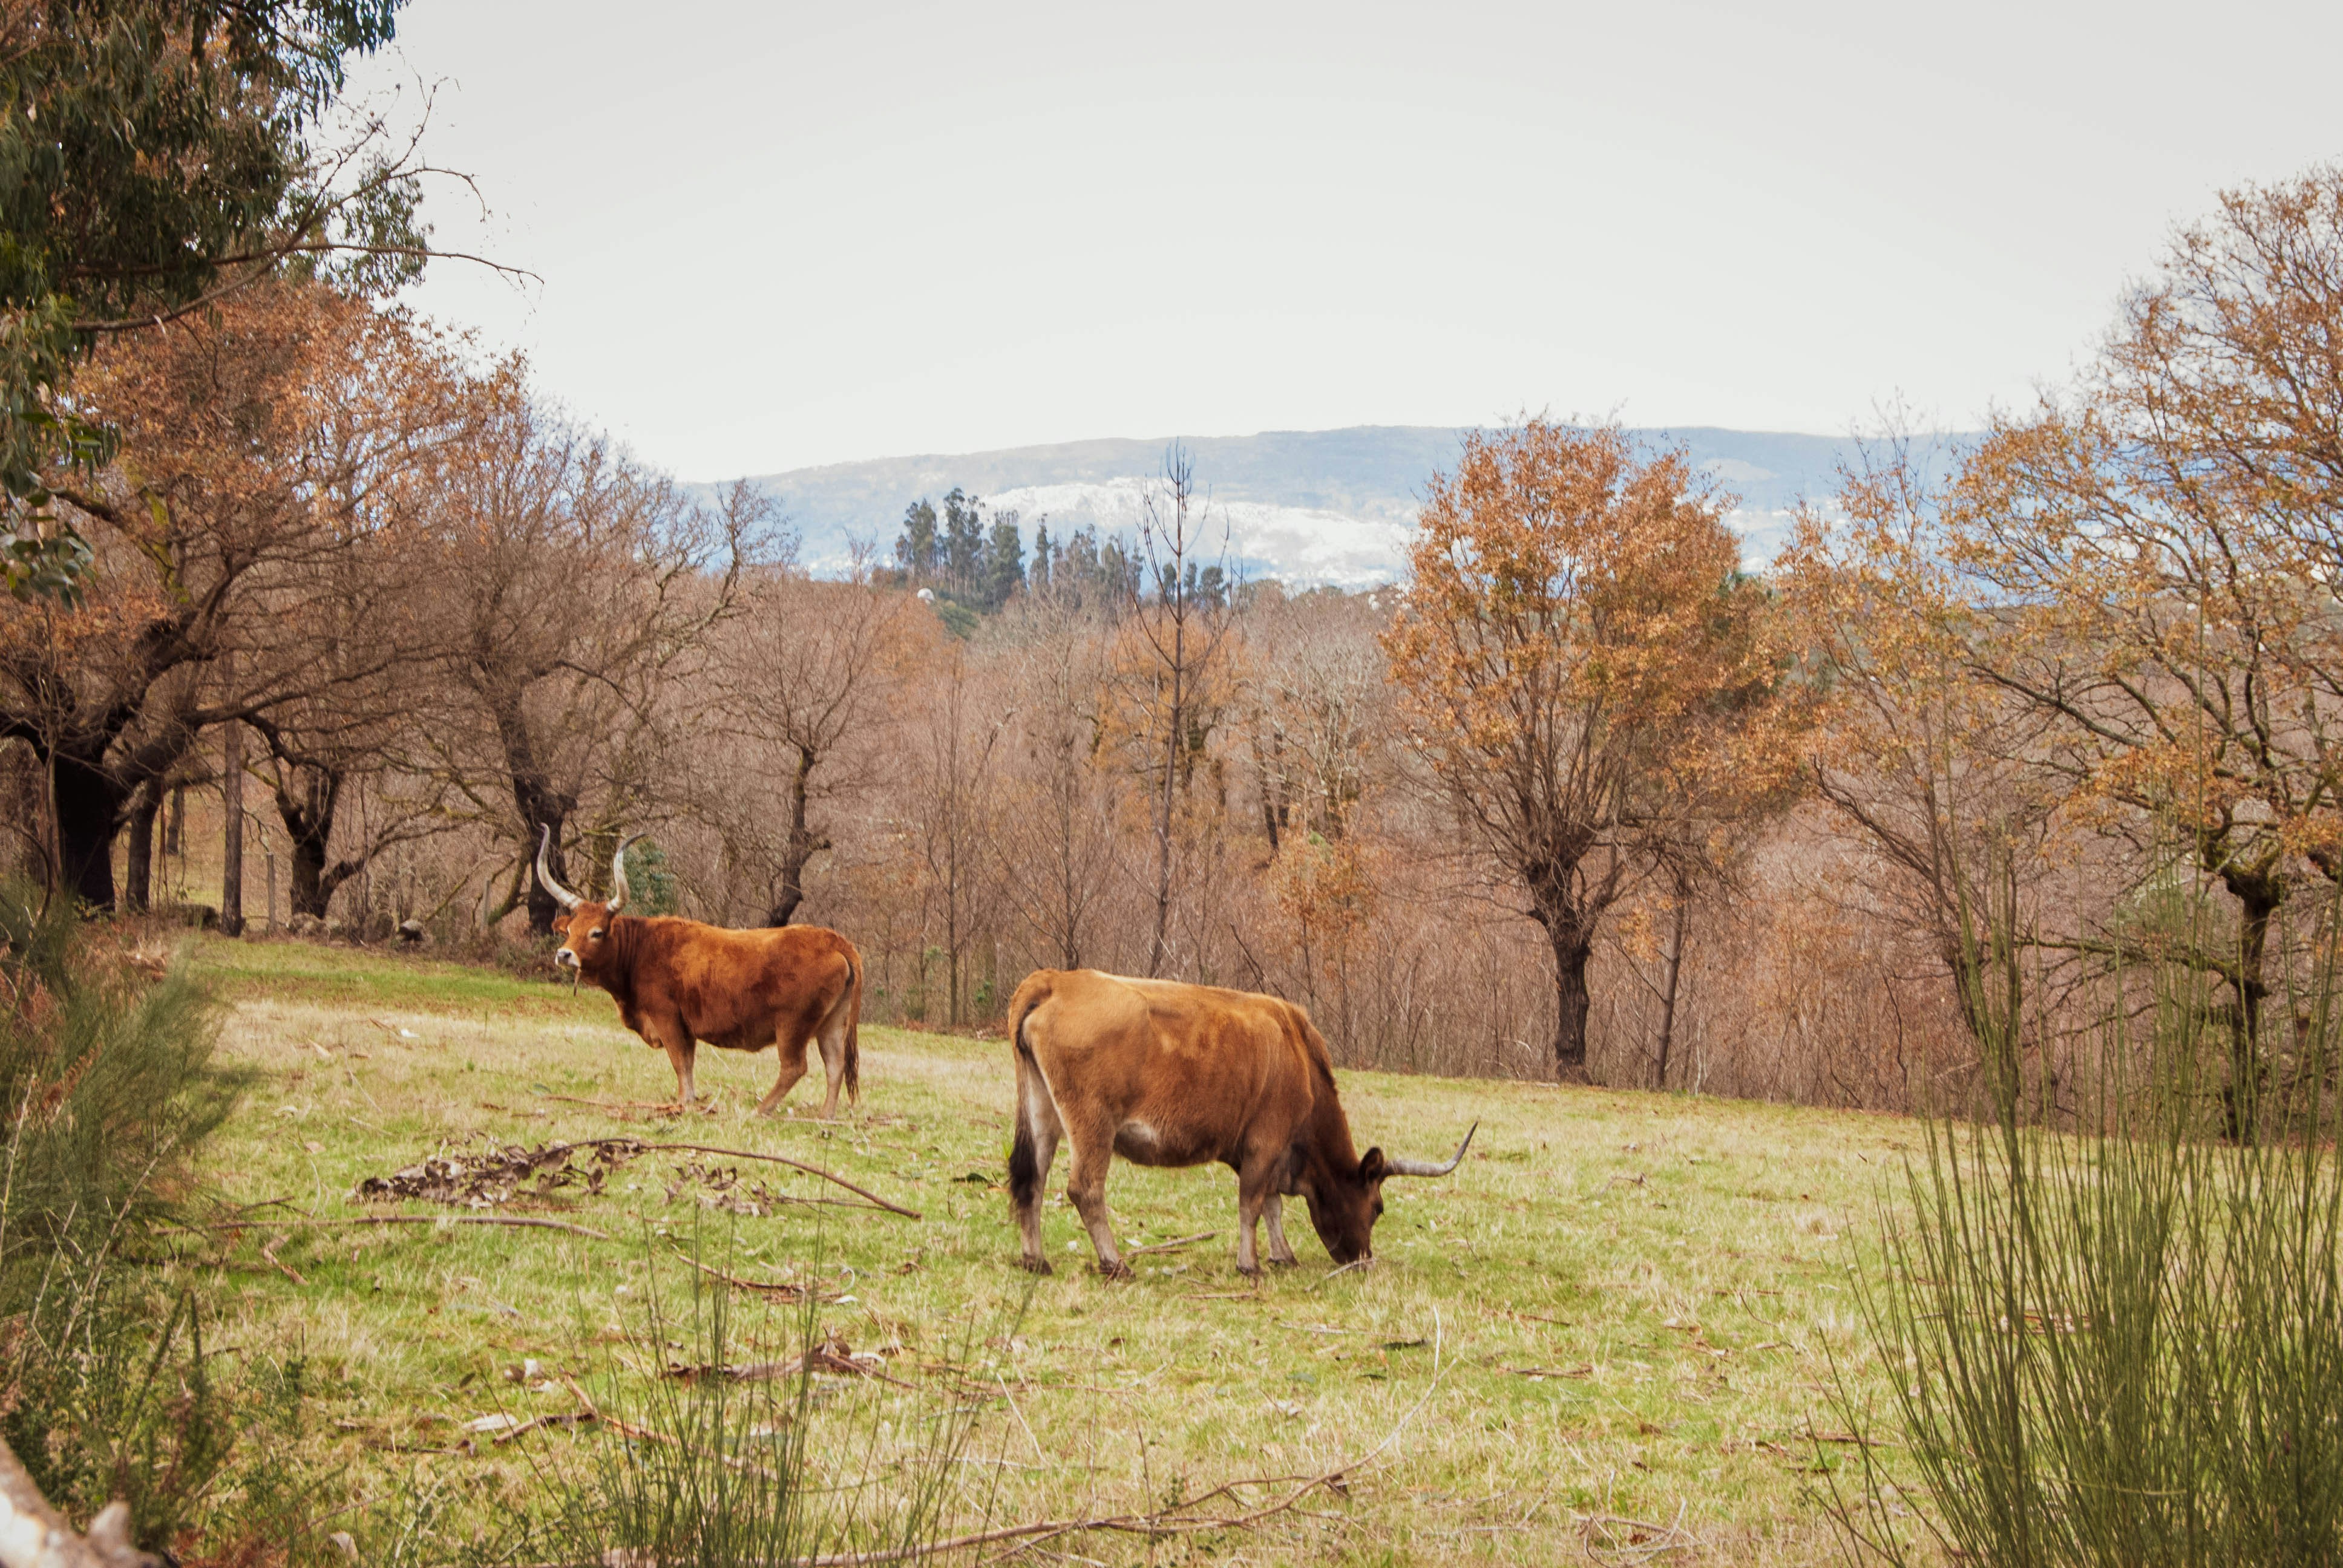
point(1343, 1208)
point(584, 926)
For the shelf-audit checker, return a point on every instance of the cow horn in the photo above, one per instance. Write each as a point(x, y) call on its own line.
point(618, 889)
point(561, 895)
point(1426, 1167)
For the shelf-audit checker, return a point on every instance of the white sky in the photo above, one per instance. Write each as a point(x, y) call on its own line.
point(778, 234)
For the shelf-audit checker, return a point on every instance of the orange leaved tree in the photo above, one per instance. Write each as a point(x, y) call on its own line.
point(1576, 642)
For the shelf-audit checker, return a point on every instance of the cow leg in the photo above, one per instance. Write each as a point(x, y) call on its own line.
point(831, 1036)
point(1086, 1185)
point(1281, 1250)
point(1030, 1157)
point(789, 1044)
point(1255, 1193)
point(675, 1037)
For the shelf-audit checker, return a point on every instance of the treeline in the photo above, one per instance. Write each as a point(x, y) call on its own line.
point(971, 559)
point(1579, 796)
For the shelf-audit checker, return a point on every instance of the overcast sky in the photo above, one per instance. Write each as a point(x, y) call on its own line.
point(772, 236)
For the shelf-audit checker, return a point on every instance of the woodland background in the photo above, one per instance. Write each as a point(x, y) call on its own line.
point(365, 613)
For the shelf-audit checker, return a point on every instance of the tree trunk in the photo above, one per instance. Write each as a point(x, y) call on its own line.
point(1676, 973)
point(138, 864)
point(1572, 950)
point(175, 823)
point(802, 847)
point(231, 920)
point(540, 805)
point(308, 801)
point(1163, 819)
point(88, 806)
point(2241, 1097)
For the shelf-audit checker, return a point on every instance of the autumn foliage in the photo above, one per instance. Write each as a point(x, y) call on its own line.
point(1585, 795)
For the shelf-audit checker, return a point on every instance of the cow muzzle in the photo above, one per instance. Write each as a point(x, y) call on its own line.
point(563, 959)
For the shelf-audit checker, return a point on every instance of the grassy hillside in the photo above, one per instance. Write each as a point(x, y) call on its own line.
point(1619, 1308)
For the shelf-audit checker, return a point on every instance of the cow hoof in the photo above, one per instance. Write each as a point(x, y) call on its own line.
point(1250, 1273)
point(1035, 1265)
point(1116, 1271)
point(1285, 1262)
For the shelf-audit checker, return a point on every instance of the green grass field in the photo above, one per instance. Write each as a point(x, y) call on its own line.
point(1622, 1307)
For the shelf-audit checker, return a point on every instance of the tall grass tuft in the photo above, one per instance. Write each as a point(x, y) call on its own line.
point(728, 1439)
point(107, 1075)
point(2122, 1342)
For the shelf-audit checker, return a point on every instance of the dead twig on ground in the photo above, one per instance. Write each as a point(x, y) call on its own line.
point(526, 1219)
point(1643, 1540)
point(831, 1176)
point(1336, 1273)
point(782, 1289)
point(1171, 1246)
point(268, 1250)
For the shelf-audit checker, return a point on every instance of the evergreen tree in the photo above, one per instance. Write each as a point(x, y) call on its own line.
point(1039, 579)
point(963, 544)
point(915, 548)
point(1004, 561)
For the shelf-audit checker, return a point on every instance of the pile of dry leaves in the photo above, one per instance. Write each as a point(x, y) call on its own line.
point(492, 1174)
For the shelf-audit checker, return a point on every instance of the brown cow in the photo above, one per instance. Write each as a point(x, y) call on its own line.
point(1168, 1074)
point(679, 982)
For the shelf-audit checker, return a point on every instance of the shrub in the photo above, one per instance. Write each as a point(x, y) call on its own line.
point(106, 1071)
point(2122, 1344)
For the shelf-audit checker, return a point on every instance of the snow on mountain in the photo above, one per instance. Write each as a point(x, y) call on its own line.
point(1309, 507)
point(1300, 544)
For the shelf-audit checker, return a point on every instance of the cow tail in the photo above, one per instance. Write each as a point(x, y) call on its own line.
point(1024, 1161)
point(853, 1026)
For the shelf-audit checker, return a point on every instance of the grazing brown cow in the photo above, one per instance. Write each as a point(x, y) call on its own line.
point(679, 982)
point(1168, 1074)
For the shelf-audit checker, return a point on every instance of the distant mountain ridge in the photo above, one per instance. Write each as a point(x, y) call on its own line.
point(1308, 507)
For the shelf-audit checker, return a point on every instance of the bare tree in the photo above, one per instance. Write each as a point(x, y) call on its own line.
point(804, 673)
point(1058, 842)
point(1180, 614)
point(954, 800)
point(576, 584)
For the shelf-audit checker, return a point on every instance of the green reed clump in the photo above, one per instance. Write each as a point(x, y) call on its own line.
point(728, 1439)
point(2121, 1342)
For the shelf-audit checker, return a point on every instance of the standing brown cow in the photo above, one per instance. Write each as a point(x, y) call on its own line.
point(679, 982)
point(1168, 1074)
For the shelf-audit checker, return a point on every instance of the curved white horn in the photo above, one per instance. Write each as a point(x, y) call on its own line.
point(561, 895)
point(1428, 1168)
point(618, 889)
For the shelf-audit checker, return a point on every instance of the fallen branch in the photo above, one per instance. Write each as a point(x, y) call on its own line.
point(656, 1107)
point(781, 1288)
point(1332, 1273)
point(526, 1220)
point(827, 1358)
point(1646, 1540)
point(772, 1159)
point(1171, 1246)
point(268, 1250)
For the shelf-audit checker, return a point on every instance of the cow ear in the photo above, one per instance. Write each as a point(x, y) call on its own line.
point(1372, 1168)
